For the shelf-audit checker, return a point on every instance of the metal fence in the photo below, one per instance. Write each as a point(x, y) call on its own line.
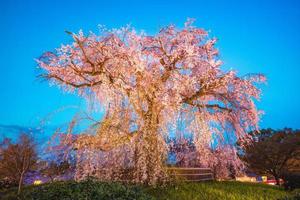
point(191, 174)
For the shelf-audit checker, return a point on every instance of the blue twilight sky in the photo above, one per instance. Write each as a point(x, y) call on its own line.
point(254, 36)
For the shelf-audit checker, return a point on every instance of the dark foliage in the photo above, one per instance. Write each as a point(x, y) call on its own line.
point(55, 169)
point(273, 152)
point(16, 159)
point(7, 183)
point(291, 180)
point(87, 190)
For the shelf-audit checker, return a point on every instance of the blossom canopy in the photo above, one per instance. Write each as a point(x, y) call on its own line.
point(148, 83)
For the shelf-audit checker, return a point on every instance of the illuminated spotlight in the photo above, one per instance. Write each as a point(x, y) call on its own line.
point(37, 182)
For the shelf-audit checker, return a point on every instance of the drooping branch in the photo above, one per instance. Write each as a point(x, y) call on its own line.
point(157, 78)
point(69, 83)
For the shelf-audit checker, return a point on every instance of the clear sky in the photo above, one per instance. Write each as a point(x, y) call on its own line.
point(254, 36)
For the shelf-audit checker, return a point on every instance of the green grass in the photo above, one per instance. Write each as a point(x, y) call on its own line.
point(230, 190)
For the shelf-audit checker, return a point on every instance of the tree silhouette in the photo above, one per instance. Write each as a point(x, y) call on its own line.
point(17, 159)
point(273, 152)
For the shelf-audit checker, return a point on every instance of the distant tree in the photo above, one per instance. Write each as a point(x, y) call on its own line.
point(225, 163)
point(54, 169)
point(272, 152)
point(223, 160)
point(57, 159)
point(17, 159)
point(184, 151)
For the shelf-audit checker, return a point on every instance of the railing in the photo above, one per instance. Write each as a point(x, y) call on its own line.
point(191, 174)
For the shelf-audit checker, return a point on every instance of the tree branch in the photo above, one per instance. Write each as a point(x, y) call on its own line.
point(79, 85)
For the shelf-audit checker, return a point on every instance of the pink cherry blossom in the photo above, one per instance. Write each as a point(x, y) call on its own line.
point(149, 82)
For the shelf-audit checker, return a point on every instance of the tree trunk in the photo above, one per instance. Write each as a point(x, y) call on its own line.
point(149, 152)
point(277, 180)
point(20, 183)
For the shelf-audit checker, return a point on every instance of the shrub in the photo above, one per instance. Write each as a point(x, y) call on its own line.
point(7, 183)
point(291, 181)
point(88, 189)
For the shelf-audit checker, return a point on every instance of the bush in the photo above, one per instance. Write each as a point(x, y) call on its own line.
point(84, 190)
point(291, 181)
point(7, 183)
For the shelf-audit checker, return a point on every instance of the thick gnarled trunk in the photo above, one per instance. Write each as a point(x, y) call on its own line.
point(149, 151)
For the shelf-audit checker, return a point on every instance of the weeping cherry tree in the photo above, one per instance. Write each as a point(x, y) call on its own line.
point(145, 83)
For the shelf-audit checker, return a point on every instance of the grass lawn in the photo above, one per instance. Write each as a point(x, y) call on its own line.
point(182, 191)
point(219, 191)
